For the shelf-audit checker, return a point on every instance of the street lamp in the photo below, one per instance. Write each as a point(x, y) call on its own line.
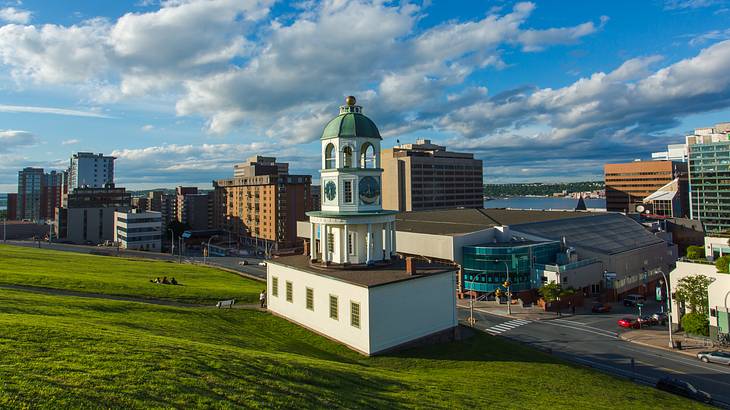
point(669, 309)
point(508, 286)
point(207, 253)
point(471, 300)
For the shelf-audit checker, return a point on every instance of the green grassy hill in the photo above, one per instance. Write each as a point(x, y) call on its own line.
point(120, 276)
point(75, 352)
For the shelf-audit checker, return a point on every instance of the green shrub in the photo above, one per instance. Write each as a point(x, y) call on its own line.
point(695, 252)
point(722, 264)
point(696, 324)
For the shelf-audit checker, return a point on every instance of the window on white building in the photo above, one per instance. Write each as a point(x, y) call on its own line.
point(274, 286)
point(351, 243)
point(289, 292)
point(330, 242)
point(348, 192)
point(333, 307)
point(355, 314)
point(310, 299)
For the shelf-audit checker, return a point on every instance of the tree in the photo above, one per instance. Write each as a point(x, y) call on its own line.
point(722, 264)
point(550, 291)
point(696, 324)
point(692, 291)
point(177, 227)
point(695, 252)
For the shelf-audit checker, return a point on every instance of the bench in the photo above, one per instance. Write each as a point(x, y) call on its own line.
point(225, 303)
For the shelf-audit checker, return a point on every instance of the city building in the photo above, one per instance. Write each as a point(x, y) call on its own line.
point(30, 188)
point(605, 254)
point(90, 170)
point(140, 230)
point(627, 185)
point(88, 217)
point(12, 206)
point(262, 201)
point(52, 191)
point(140, 203)
point(194, 209)
point(316, 191)
point(709, 173)
point(425, 176)
point(165, 204)
point(674, 152)
point(669, 201)
point(347, 286)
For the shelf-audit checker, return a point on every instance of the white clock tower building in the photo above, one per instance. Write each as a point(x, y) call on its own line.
point(352, 228)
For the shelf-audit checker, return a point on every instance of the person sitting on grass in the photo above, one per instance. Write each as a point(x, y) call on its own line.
point(157, 281)
point(173, 281)
point(165, 281)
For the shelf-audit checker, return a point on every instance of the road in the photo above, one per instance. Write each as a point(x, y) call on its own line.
point(228, 262)
point(592, 340)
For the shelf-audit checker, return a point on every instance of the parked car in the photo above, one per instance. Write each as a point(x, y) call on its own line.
point(243, 262)
point(714, 357)
point(660, 318)
point(601, 308)
point(262, 263)
point(633, 299)
point(682, 388)
point(647, 321)
point(629, 323)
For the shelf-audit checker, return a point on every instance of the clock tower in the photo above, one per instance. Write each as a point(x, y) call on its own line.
point(352, 228)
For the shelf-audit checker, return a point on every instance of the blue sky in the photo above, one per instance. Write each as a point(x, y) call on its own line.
point(181, 90)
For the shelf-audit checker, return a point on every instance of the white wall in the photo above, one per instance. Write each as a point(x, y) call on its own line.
point(685, 269)
point(319, 320)
point(435, 246)
point(404, 311)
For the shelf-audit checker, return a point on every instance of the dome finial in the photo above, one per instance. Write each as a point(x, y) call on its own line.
point(350, 100)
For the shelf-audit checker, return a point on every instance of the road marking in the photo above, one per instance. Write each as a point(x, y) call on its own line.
point(506, 326)
point(585, 328)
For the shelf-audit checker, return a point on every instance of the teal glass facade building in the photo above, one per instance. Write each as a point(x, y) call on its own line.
point(709, 172)
point(485, 266)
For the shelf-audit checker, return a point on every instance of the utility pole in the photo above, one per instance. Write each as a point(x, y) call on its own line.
point(669, 309)
point(179, 252)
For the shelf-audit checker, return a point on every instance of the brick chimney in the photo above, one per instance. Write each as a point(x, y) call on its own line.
point(410, 266)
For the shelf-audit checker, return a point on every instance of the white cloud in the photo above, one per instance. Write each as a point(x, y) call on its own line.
point(148, 127)
point(51, 110)
point(13, 15)
point(11, 139)
point(70, 142)
point(713, 35)
point(690, 4)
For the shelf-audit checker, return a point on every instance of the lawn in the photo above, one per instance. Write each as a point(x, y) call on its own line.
point(68, 352)
point(121, 277)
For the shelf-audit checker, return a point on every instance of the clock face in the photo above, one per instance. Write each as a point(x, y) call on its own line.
point(369, 190)
point(330, 190)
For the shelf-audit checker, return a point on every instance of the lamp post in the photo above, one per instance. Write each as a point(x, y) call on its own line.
point(471, 301)
point(172, 241)
point(509, 287)
point(207, 252)
point(669, 309)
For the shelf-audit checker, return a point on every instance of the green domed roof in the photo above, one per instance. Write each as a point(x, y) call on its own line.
point(351, 125)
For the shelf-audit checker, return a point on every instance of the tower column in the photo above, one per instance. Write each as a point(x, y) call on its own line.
point(386, 240)
point(323, 242)
point(312, 242)
point(369, 244)
point(393, 247)
point(346, 245)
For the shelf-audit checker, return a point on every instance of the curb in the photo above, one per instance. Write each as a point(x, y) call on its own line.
point(682, 352)
point(516, 316)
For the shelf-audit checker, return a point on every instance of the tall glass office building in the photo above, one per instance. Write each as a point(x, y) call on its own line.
point(485, 266)
point(709, 178)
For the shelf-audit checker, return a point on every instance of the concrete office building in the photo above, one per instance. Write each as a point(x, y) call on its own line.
point(347, 287)
point(138, 230)
point(165, 204)
point(194, 209)
point(709, 173)
point(425, 176)
point(627, 185)
point(262, 201)
point(90, 170)
point(30, 188)
point(316, 191)
point(89, 214)
point(674, 152)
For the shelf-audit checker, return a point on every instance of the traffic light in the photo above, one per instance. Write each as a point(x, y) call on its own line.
point(498, 292)
point(506, 284)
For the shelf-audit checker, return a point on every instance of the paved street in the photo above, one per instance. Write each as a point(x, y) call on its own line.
point(228, 262)
point(592, 340)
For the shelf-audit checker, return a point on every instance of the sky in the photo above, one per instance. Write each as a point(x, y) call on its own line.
point(180, 90)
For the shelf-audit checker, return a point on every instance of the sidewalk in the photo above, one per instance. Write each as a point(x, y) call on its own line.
point(659, 339)
point(518, 312)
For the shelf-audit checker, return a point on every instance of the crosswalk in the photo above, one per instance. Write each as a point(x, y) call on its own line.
point(503, 327)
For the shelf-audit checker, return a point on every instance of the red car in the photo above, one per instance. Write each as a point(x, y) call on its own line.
point(601, 308)
point(629, 323)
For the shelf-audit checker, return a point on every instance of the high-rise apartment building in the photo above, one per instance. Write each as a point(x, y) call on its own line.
point(709, 175)
point(90, 170)
point(425, 176)
point(12, 206)
point(263, 201)
point(30, 187)
point(194, 208)
point(52, 191)
point(627, 185)
point(165, 204)
point(88, 217)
